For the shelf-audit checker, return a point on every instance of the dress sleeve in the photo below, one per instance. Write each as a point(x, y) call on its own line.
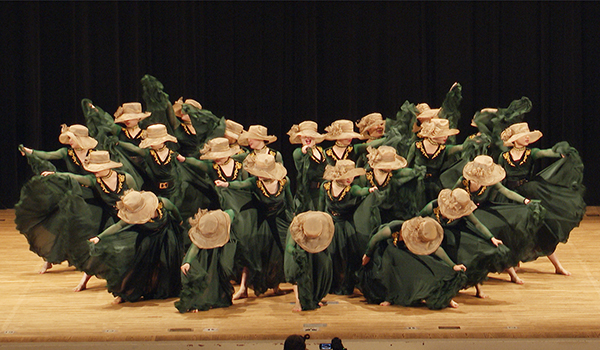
point(480, 227)
point(201, 165)
point(384, 233)
point(86, 180)
point(243, 185)
point(114, 228)
point(356, 190)
point(133, 148)
point(191, 254)
point(51, 155)
point(512, 195)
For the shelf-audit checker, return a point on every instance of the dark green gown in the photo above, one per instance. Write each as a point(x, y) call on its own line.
point(309, 178)
point(312, 272)
point(396, 275)
point(143, 261)
point(207, 283)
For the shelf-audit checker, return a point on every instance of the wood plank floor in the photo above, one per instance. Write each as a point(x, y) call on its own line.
point(42, 308)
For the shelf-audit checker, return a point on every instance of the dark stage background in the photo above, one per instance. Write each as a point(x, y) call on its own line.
point(279, 63)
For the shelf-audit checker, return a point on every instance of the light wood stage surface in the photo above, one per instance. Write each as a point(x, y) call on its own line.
point(43, 308)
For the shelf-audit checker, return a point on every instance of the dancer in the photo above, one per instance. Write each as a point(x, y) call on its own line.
point(342, 200)
point(310, 164)
point(207, 267)
point(265, 233)
point(143, 251)
point(371, 127)
point(257, 138)
point(405, 265)
point(342, 132)
point(307, 262)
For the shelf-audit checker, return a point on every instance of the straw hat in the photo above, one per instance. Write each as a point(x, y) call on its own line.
point(79, 133)
point(385, 157)
point(137, 207)
point(156, 134)
point(306, 128)
point(99, 160)
point(484, 171)
point(422, 236)
point(428, 114)
point(456, 203)
point(257, 132)
point(312, 230)
point(233, 129)
point(369, 122)
point(343, 169)
point(218, 148)
point(209, 229)
point(178, 106)
point(129, 111)
point(264, 165)
point(341, 129)
point(436, 127)
point(518, 130)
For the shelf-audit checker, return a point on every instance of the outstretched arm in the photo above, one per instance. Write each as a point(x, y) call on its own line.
point(441, 253)
point(512, 195)
point(120, 225)
point(86, 180)
point(132, 148)
point(172, 208)
point(483, 230)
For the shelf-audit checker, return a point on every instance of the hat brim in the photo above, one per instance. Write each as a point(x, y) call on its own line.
point(149, 142)
point(352, 173)
point(85, 142)
point(144, 214)
point(94, 168)
point(243, 139)
point(450, 212)
point(496, 175)
point(345, 135)
point(203, 242)
point(129, 116)
point(218, 155)
point(231, 135)
point(312, 245)
point(398, 163)
point(277, 174)
point(533, 137)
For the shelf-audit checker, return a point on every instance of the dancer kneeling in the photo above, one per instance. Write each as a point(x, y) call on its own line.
point(405, 265)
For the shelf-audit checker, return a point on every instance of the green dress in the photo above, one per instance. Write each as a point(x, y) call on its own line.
point(348, 211)
point(467, 241)
point(207, 283)
point(143, 261)
point(396, 275)
point(312, 272)
point(265, 220)
point(309, 178)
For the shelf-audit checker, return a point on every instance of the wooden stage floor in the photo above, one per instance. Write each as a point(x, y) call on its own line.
point(42, 308)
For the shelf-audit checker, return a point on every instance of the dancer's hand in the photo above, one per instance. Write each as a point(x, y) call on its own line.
point(185, 268)
point(365, 260)
point(459, 267)
point(180, 158)
point(95, 240)
point(372, 189)
point(496, 241)
point(221, 183)
point(46, 173)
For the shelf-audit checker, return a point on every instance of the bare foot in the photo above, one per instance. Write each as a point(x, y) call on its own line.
point(194, 311)
point(242, 293)
point(453, 304)
point(385, 303)
point(47, 266)
point(480, 295)
point(278, 291)
point(297, 307)
point(516, 279)
point(118, 300)
point(80, 287)
point(561, 271)
point(322, 303)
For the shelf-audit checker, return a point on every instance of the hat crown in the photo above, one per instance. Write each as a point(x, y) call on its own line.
point(344, 125)
point(258, 130)
point(208, 224)
point(264, 162)
point(519, 128)
point(234, 127)
point(132, 107)
point(387, 154)
point(345, 165)
point(461, 196)
point(98, 157)
point(156, 131)
point(307, 125)
point(133, 201)
point(79, 130)
point(313, 228)
point(218, 144)
point(427, 231)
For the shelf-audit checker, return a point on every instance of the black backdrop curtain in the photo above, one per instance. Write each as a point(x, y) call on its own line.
point(279, 63)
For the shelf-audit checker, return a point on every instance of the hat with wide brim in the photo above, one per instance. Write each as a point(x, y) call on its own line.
point(518, 130)
point(343, 169)
point(209, 229)
point(233, 129)
point(79, 133)
point(428, 114)
point(257, 132)
point(264, 165)
point(137, 207)
point(385, 157)
point(306, 128)
point(422, 235)
point(484, 171)
point(218, 148)
point(178, 106)
point(98, 161)
point(312, 230)
point(369, 122)
point(129, 111)
point(456, 203)
point(340, 130)
point(156, 134)
point(436, 127)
